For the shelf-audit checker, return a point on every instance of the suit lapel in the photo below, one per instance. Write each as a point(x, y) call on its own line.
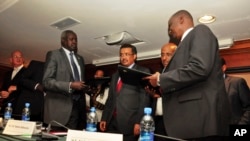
point(227, 83)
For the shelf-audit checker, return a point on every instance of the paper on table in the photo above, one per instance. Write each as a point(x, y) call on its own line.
point(92, 136)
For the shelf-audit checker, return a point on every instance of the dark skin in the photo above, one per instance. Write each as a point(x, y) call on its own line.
point(70, 43)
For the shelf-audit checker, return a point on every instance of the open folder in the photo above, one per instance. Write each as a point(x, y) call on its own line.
point(132, 76)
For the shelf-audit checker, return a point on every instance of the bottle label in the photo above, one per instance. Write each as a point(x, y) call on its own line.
point(25, 117)
point(147, 136)
point(7, 115)
point(91, 127)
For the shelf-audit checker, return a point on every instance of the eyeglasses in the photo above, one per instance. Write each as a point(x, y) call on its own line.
point(126, 54)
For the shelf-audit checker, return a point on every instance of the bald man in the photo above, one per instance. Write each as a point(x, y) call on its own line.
point(195, 103)
point(11, 81)
point(167, 51)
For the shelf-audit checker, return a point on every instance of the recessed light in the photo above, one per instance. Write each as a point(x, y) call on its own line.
point(207, 19)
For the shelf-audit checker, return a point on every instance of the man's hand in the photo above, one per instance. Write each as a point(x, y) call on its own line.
point(39, 88)
point(153, 79)
point(77, 85)
point(12, 88)
point(103, 126)
point(152, 92)
point(136, 129)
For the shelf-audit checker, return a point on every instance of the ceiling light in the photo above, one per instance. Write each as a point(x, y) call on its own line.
point(207, 19)
point(65, 23)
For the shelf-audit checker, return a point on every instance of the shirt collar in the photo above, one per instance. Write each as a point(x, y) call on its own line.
point(19, 67)
point(186, 33)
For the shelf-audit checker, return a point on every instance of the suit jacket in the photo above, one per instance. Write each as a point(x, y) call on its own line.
point(195, 102)
point(129, 103)
point(7, 82)
point(30, 78)
point(57, 77)
point(239, 98)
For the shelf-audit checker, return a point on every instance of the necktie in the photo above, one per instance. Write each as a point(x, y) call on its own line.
point(75, 70)
point(14, 72)
point(119, 85)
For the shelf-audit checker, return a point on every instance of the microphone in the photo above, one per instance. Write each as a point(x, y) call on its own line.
point(57, 123)
point(167, 137)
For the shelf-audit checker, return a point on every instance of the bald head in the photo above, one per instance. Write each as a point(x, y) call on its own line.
point(16, 58)
point(99, 74)
point(167, 52)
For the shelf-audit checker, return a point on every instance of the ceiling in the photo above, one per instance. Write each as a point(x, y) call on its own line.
point(25, 24)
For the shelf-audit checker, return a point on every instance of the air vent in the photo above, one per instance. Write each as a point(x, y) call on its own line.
point(65, 23)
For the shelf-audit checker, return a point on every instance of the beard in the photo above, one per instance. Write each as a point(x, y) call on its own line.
point(174, 40)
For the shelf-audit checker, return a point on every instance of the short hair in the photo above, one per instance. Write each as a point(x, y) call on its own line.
point(65, 33)
point(134, 50)
point(183, 13)
point(222, 61)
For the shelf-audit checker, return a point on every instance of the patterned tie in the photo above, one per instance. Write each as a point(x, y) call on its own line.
point(119, 85)
point(75, 70)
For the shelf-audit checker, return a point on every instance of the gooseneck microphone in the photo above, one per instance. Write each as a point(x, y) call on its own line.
point(57, 123)
point(167, 137)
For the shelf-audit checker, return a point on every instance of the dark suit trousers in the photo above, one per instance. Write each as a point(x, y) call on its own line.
point(75, 120)
point(159, 129)
point(113, 128)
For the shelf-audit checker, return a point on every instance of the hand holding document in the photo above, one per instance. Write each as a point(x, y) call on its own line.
point(132, 76)
point(153, 79)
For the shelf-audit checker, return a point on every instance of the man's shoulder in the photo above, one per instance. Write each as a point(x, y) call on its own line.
point(139, 67)
point(235, 79)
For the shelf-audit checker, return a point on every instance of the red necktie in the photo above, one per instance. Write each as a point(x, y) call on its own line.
point(119, 85)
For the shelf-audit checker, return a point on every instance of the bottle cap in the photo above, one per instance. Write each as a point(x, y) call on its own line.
point(27, 104)
point(92, 109)
point(9, 104)
point(147, 110)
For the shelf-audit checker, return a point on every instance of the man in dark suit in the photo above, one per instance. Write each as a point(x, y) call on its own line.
point(10, 89)
point(64, 83)
point(124, 107)
point(239, 97)
point(32, 91)
point(195, 103)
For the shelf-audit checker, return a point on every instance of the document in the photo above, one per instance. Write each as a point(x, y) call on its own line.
point(132, 76)
point(76, 135)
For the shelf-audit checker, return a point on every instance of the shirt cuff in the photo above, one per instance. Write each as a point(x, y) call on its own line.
point(158, 80)
point(70, 89)
point(36, 86)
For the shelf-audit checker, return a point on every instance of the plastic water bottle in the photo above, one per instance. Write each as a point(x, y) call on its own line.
point(7, 114)
point(147, 126)
point(26, 112)
point(92, 120)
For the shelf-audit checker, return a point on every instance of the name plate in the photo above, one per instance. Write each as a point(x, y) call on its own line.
point(76, 135)
point(19, 127)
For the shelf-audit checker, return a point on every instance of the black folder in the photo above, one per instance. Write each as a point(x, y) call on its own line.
point(132, 76)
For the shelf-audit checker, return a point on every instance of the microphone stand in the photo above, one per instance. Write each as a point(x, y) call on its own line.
point(167, 137)
point(55, 122)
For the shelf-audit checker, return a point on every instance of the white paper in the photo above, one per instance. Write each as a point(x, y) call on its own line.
point(76, 135)
point(19, 127)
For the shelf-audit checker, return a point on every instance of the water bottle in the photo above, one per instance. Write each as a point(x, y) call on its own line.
point(147, 126)
point(26, 112)
point(92, 120)
point(7, 114)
